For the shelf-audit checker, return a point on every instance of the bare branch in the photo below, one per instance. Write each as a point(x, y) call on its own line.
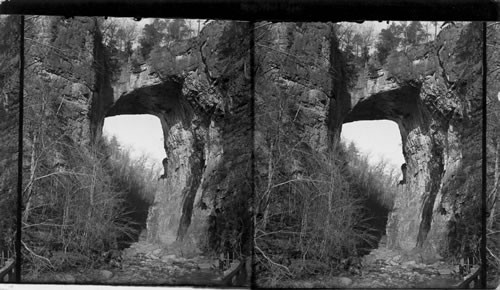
point(272, 262)
point(36, 255)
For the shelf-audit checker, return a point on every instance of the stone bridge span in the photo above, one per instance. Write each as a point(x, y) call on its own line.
point(436, 110)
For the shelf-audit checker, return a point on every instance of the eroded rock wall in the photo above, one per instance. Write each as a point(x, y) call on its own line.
point(300, 75)
point(67, 75)
point(200, 93)
point(437, 108)
point(431, 91)
point(197, 88)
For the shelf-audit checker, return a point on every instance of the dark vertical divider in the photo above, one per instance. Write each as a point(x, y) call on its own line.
point(20, 152)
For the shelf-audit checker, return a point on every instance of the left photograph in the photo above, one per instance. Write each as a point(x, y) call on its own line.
point(137, 151)
point(9, 144)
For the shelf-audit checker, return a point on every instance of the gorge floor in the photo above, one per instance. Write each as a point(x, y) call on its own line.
point(143, 264)
point(149, 264)
point(383, 268)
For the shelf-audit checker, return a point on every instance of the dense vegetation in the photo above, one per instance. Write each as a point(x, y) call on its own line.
point(9, 120)
point(315, 207)
point(334, 209)
point(96, 203)
point(394, 47)
point(155, 41)
point(493, 152)
point(126, 44)
point(81, 198)
point(400, 36)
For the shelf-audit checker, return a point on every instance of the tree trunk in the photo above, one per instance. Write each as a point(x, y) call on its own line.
point(268, 189)
point(493, 196)
point(30, 182)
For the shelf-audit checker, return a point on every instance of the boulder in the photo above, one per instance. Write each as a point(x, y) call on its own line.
point(106, 274)
point(344, 281)
point(65, 278)
point(445, 271)
point(168, 258)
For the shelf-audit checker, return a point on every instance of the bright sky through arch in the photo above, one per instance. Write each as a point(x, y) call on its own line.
point(381, 140)
point(141, 134)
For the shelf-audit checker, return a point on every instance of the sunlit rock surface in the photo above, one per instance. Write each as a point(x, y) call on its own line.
point(202, 100)
point(197, 89)
point(201, 94)
point(432, 92)
point(438, 113)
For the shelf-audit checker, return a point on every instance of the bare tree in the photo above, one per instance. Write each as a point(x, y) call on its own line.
point(119, 33)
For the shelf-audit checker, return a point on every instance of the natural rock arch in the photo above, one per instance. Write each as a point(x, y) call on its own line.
point(203, 104)
point(430, 91)
point(383, 99)
point(205, 123)
point(184, 140)
point(433, 116)
point(198, 91)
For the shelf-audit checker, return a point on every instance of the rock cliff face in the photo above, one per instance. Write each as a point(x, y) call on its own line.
point(201, 96)
point(200, 91)
point(432, 92)
point(438, 111)
point(317, 97)
point(202, 101)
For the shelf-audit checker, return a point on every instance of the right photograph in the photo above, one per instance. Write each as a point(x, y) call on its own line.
point(493, 151)
point(368, 154)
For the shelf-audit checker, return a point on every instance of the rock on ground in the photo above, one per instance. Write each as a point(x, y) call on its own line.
point(106, 274)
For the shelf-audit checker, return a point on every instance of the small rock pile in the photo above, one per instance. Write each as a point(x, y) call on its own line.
point(150, 264)
point(388, 268)
point(147, 264)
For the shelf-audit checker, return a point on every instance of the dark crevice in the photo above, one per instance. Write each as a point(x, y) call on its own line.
point(432, 190)
point(449, 84)
point(204, 61)
point(197, 161)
